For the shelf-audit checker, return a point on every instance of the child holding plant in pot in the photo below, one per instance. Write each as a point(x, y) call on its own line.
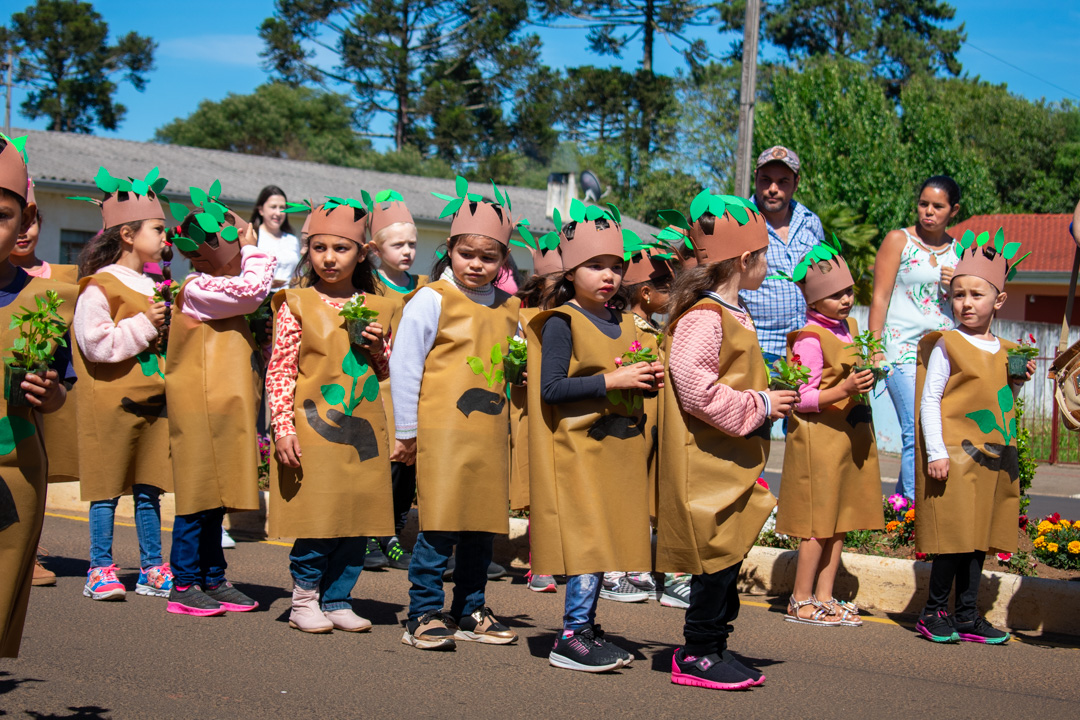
point(22, 453)
point(123, 424)
point(586, 418)
point(213, 391)
point(450, 411)
point(831, 481)
point(967, 490)
point(330, 486)
point(714, 438)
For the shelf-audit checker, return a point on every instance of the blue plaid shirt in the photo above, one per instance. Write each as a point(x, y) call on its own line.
point(777, 307)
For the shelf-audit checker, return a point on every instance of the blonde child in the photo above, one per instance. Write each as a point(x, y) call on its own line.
point(330, 486)
point(22, 455)
point(451, 421)
point(831, 482)
point(586, 421)
point(715, 436)
point(123, 424)
point(967, 492)
point(213, 392)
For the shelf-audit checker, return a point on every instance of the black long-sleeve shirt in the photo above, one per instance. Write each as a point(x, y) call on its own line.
point(555, 387)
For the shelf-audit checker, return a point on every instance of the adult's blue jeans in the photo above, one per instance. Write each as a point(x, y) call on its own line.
point(147, 526)
point(901, 385)
point(582, 594)
point(196, 555)
point(330, 565)
point(430, 555)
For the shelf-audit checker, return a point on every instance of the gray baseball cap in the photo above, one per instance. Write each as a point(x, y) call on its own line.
point(779, 153)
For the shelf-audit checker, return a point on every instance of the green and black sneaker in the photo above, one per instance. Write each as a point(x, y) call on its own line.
point(395, 552)
point(374, 559)
point(938, 627)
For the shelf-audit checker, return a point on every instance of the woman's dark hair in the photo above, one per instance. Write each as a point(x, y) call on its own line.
point(533, 289)
point(363, 276)
point(265, 194)
point(945, 184)
point(105, 248)
point(690, 284)
point(443, 262)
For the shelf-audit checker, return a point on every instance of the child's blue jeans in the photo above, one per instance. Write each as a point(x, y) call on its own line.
point(147, 526)
point(430, 555)
point(901, 385)
point(196, 555)
point(330, 565)
point(582, 594)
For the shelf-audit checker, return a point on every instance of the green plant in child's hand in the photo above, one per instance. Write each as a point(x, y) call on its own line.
point(357, 317)
point(1020, 355)
point(492, 376)
point(517, 355)
point(784, 375)
point(637, 353)
point(867, 347)
point(41, 331)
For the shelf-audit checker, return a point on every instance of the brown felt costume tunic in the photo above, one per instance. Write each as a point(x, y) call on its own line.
point(519, 434)
point(390, 326)
point(977, 506)
point(588, 483)
point(710, 505)
point(213, 393)
point(123, 424)
point(60, 429)
point(462, 458)
point(342, 487)
point(652, 420)
point(22, 486)
point(831, 480)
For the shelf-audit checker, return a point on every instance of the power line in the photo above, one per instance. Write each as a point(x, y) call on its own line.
point(1020, 69)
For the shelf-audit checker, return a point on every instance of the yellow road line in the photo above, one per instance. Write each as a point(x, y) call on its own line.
point(164, 528)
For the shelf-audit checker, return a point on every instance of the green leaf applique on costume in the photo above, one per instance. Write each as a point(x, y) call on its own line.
point(355, 366)
point(987, 420)
point(150, 362)
point(14, 430)
point(492, 376)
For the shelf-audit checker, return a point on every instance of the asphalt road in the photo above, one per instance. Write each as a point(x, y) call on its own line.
point(84, 659)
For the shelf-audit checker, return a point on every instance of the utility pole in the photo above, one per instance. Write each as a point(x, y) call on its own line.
point(7, 82)
point(743, 161)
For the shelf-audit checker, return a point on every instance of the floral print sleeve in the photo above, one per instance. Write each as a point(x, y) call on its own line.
point(282, 372)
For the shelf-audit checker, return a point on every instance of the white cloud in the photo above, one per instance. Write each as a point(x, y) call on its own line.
point(215, 49)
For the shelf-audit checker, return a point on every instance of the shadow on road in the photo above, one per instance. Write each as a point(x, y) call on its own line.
point(86, 712)
point(9, 683)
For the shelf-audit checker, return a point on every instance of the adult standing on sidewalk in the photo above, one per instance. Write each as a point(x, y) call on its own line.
point(276, 234)
point(912, 272)
point(777, 307)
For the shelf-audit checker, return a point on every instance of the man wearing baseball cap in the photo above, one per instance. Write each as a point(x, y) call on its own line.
point(778, 306)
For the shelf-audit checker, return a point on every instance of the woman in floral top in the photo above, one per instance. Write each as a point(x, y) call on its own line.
point(911, 283)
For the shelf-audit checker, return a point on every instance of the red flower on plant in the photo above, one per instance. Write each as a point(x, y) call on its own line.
point(796, 360)
point(1031, 338)
point(1023, 522)
point(1004, 557)
point(1055, 518)
point(762, 483)
point(920, 556)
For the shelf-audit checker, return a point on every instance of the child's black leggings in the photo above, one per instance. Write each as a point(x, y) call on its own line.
point(962, 569)
point(714, 604)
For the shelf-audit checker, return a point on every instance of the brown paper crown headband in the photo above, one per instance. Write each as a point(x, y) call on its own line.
point(677, 238)
point(473, 215)
point(342, 217)
point(590, 240)
point(738, 228)
point(544, 249)
point(649, 265)
point(388, 208)
point(13, 159)
point(988, 260)
point(212, 219)
point(127, 200)
point(821, 272)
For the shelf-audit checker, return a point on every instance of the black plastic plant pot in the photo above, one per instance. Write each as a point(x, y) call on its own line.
point(1018, 366)
point(781, 385)
point(879, 372)
point(261, 333)
point(13, 379)
point(514, 371)
point(356, 332)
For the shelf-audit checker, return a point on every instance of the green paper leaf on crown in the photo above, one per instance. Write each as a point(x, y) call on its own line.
point(631, 240)
point(820, 253)
point(368, 204)
point(615, 212)
point(967, 239)
point(527, 239)
point(1012, 268)
point(197, 234)
point(198, 196)
point(461, 186)
point(959, 249)
point(999, 239)
point(1010, 250)
point(215, 189)
point(451, 208)
point(668, 235)
point(498, 195)
point(159, 185)
point(475, 197)
point(983, 238)
point(699, 205)
point(178, 211)
point(19, 143)
point(447, 198)
point(217, 210)
point(834, 243)
point(549, 241)
point(123, 185)
point(185, 243)
point(739, 213)
point(139, 187)
point(717, 206)
point(297, 207)
point(674, 217)
point(84, 199)
point(556, 217)
point(799, 273)
point(105, 182)
point(207, 222)
point(392, 196)
point(577, 210)
point(524, 221)
point(152, 176)
point(230, 234)
point(594, 212)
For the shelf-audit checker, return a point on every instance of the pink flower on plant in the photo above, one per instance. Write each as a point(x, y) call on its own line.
point(635, 346)
point(897, 501)
point(618, 362)
point(1004, 557)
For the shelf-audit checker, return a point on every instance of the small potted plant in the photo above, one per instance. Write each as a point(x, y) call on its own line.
point(1019, 356)
point(638, 353)
point(357, 317)
point(784, 375)
point(514, 361)
point(165, 291)
point(867, 346)
point(260, 323)
point(41, 331)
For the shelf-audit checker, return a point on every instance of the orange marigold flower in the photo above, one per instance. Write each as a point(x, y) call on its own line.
point(909, 515)
point(1039, 541)
point(892, 526)
point(1074, 547)
point(1052, 547)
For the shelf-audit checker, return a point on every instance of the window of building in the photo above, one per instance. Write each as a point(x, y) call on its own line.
point(72, 243)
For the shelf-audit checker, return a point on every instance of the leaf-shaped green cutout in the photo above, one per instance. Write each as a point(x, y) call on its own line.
point(197, 234)
point(674, 217)
point(461, 186)
point(638, 402)
point(207, 222)
point(739, 213)
point(84, 199)
point(577, 210)
point(1005, 399)
point(333, 394)
point(230, 234)
point(451, 208)
point(999, 239)
point(498, 195)
point(1012, 430)
point(1010, 250)
point(158, 185)
point(967, 238)
point(149, 362)
point(614, 396)
point(799, 274)
point(371, 389)
point(699, 205)
point(353, 364)
point(496, 354)
point(594, 212)
point(476, 364)
point(186, 244)
point(615, 212)
point(983, 238)
point(447, 198)
point(140, 187)
point(984, 419)
point(106, 183)
point(217, 210)
point(14, 430)
point(475, 197)
point(123, 185)
point(178, 211)
point(198, 196)
point(496, 378)
point(215, 189)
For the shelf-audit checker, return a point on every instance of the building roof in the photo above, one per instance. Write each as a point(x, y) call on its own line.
point(1047, 237)
point(70, 161)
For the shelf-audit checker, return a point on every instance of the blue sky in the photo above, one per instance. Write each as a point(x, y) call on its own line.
point(198, 59)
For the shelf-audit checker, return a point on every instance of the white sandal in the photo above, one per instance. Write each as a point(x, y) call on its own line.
point(848, 612)
point(820, 616)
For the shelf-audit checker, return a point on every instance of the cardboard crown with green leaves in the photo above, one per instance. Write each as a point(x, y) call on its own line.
point(475, 215)
point(127, 199)
point(386, 208)
point(992, 261)
point(13, 159)
point(650, 265)
point(738, 227)
point(598, 231)
point(342, 217)
point(821, 272)
point(212, 232)
point(544, 249)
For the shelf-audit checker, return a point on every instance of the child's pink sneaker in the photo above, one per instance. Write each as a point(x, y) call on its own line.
point(155, 581)
point(101, 584)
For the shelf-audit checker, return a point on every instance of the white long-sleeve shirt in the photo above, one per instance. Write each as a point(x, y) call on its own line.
point(937, 376)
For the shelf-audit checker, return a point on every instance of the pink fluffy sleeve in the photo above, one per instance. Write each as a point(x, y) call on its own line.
point(695, 372)
point(808, 347)
point(214, 298)
point(100, 339)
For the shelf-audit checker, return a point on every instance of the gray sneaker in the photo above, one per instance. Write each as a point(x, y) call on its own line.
point(620, 589)
point(542, 583)
point(677, 594)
